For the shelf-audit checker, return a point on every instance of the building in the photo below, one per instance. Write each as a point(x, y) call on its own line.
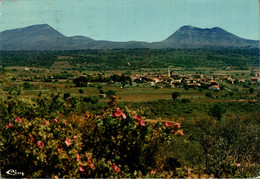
point(214, 87)
point(26, 69)
point(134, 84)
point(168, 73)
point(103, 95)
point(255, 79)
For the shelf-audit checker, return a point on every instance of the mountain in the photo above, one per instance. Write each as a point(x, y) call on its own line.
point(33, 37)
point(44, 37)
point(189, 36)
point(38, 37)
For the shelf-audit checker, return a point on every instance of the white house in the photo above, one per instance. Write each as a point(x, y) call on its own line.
point(214, 87)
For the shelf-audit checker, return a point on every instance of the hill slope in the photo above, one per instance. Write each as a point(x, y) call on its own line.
point(193, 36)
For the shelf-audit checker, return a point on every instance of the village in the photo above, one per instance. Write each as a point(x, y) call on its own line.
point(189, 80)
point(155, 80)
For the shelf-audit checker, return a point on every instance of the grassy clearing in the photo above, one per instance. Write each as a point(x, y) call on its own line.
point(135, 94)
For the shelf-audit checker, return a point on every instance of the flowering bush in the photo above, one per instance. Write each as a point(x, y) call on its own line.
point(113, 144)
point(41, 148)
point(127, 141)
point(51, 137)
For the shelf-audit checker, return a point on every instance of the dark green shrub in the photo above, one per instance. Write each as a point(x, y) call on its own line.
point(175, 95)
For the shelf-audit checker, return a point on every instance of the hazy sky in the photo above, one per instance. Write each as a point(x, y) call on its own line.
point(124, 20)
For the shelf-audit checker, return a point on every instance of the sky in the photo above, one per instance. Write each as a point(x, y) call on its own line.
point(126, 20)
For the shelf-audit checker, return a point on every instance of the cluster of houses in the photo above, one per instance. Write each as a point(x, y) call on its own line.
point(173, 80)
point(189, 80)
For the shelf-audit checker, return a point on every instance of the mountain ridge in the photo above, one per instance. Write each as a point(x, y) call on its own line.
point(44, 37)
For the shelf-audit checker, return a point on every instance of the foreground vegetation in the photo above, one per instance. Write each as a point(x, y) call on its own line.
point(49, 136)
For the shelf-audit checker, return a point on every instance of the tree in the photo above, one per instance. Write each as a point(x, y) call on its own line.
point(209, 94)
point(186, 87)
point(251, 90)
point(27, 86)
point(258, 94)
point(101, 91)
point(231, 93)
point(115, 77)
point(81, 81)
point(202, 130)
point(110, 92)
point(217, 111)
point(81, 91)
point(175, 95)
point(66, 95)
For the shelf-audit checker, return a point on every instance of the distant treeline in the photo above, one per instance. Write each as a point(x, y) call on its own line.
point(132, 59)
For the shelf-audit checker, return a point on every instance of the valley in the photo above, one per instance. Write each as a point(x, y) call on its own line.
point(188, 112)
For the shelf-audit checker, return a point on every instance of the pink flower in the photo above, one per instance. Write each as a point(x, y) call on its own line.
point(78, 157)
point(123, 116)
point(238, 164)
point(31, 138)
point(177, 126)
point(119, 113)
point(18, 119)
point(68, 141)
point(153, 172)
point(81, 169)
point(188, 173)
point(116, 168)
point(10, 125)
point(89, 155)
point(168, 124)
point(40, 144)
point(91, 165)
point(56, 177)
point(137, 118)
point(46, 122)
point(59, 150)
point(142, 122)
point(181, 132)
point(55, 120)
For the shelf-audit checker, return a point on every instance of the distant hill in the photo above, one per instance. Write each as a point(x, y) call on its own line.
point(189, 36)
point(38, 37)
point(44, 37)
